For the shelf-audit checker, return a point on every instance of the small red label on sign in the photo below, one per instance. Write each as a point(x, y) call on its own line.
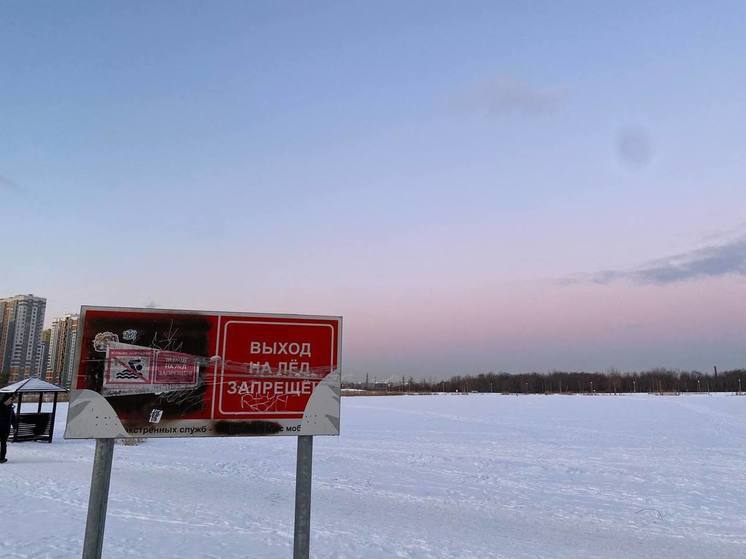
point(175, 368)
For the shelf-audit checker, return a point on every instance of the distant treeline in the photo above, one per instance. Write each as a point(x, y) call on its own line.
point(657, 380)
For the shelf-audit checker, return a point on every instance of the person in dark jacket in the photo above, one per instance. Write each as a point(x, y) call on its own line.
point(7, 419)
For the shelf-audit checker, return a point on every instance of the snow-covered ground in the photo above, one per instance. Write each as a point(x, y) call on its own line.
point(413, 476)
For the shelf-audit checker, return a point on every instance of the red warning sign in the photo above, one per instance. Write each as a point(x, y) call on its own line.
point(211, 373)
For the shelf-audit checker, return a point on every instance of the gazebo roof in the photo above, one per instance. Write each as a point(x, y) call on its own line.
point(32, 384)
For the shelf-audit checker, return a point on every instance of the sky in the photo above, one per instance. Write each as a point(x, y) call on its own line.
point(473, 186)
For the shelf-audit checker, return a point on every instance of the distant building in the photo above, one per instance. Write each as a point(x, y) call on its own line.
point(64, 333)
point(21, 325)
point(46, 336)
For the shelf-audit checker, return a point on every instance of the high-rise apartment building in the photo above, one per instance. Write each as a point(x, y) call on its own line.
point(46, 337)
point(62, 350)
point(21, 324)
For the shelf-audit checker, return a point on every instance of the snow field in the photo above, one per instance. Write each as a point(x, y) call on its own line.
point(439, 476)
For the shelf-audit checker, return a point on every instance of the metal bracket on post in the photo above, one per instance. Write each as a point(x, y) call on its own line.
point(98, 500)
point(303, 470)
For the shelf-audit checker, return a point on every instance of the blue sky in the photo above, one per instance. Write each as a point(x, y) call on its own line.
point(474, 185)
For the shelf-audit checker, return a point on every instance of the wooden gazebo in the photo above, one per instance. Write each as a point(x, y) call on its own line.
point(38, 425)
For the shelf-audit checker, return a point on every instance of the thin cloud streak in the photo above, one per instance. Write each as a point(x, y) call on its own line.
point(726, 259)
point(505, 96)
point(9, 185)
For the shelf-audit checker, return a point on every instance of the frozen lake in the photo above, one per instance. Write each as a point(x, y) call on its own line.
point(414, 476)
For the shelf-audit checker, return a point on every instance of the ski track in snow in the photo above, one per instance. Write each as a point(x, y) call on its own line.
point(477, 476)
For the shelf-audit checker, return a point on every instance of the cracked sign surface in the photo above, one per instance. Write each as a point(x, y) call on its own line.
point(158, 373)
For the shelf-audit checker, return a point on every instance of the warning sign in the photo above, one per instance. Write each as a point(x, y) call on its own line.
point(190, 373)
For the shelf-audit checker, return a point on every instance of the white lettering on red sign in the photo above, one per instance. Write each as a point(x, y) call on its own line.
point(302, 349)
